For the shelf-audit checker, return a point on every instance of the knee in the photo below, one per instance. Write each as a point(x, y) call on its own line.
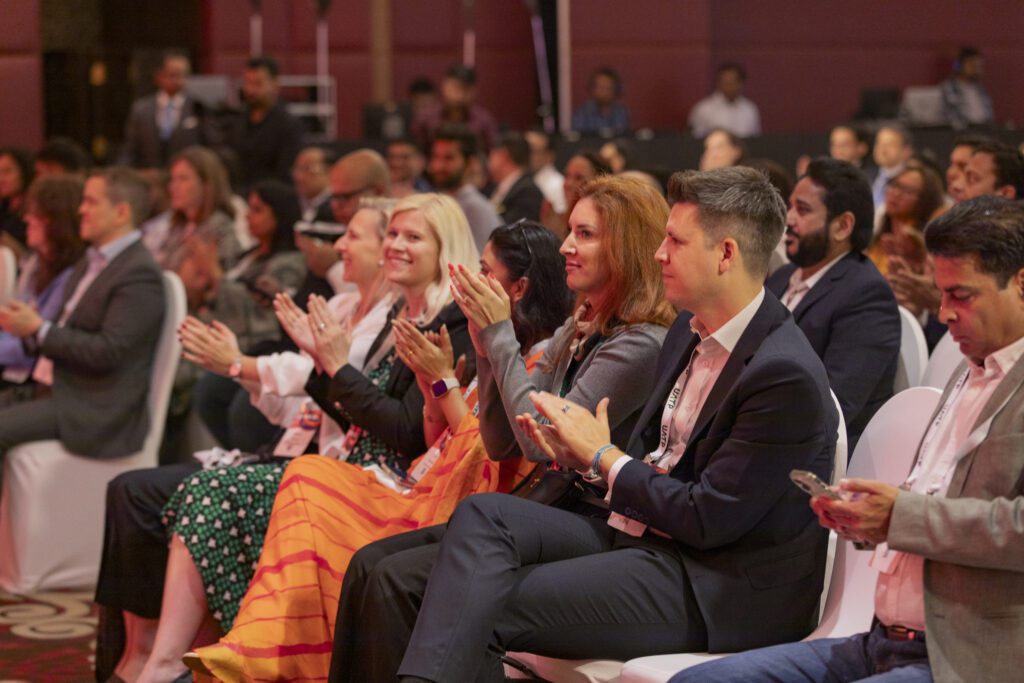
point(124, 487)
point(482, 506)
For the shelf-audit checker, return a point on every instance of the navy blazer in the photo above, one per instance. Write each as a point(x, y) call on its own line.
point(851, 319)
point(522, 201)
point(751, 545)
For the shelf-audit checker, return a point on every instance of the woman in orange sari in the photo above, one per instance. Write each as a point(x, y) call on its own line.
point(326, 510)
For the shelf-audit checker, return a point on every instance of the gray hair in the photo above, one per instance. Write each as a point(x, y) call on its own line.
point(736, 202)
point(126, 185)
point(383, 207)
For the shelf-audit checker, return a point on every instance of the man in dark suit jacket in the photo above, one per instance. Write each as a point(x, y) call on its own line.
point(516, 195)
point(709, 544)
point(100, 350)
point(837, 296)
point(164, 123)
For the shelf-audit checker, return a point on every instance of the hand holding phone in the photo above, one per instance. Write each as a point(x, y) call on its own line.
point(813, 485)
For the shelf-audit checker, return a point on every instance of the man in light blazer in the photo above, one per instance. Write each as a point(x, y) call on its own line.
point(837, 296)
point(98, 355)
point(164, 123)
point(949, 603)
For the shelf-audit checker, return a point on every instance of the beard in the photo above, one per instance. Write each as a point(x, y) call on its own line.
point(811, 249)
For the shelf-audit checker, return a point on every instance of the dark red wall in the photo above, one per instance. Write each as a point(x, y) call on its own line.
point(21, 74)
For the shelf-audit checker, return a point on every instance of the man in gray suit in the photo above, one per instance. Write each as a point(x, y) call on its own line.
point(164, 123)
point(98, 355)
point(949, 602)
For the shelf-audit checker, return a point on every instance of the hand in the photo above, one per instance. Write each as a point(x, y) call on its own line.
point(265, 289)
point(574, 434)
point(332, 341)
point(320, 255)
point(914, 291)
point(481, 297)
point(295, 323)
point(863, 516)
point(19, 319)
point(429, 355)
point(213, 347)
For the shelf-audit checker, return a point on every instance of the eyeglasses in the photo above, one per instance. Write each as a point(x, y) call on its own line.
point(347, 196)
point(905, 190)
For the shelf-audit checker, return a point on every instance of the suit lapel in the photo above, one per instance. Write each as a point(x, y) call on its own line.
point(76, 276)
point(824, 286)
point(109, 271)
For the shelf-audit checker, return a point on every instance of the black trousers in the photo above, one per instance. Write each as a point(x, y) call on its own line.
point(509, 574)
point(227, 412)
point(134, 553)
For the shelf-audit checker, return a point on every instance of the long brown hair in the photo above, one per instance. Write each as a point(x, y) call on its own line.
point(214, 179)
point(55, 200)
point(634, 216)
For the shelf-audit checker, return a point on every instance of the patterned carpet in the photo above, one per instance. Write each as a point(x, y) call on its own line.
point(47, 637)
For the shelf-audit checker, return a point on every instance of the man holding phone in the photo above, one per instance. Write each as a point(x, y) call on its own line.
point(949, 602)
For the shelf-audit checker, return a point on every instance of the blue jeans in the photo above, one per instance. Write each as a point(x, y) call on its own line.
point(867, 656)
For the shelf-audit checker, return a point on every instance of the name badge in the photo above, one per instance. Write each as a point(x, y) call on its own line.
point(626, 525)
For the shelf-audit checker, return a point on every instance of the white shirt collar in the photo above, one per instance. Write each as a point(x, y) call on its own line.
point(178, 100)
point(728, 335)
point(796, 280)
point(1004, 359)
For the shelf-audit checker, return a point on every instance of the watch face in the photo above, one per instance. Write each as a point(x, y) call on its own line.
point(439, 388)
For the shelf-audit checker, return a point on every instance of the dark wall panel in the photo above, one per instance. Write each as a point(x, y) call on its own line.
point(21, 73)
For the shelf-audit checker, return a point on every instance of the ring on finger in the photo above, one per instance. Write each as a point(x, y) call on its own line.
point(565, 408)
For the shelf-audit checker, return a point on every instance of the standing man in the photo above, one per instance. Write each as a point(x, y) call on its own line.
point(893, 147)
point(454, 146)
point(164, 123)
point(950, 540)
point(516, 195)
point(706, 528)
point(266, 137)
point(726, 107)
point(98, 355)
point(838, 298)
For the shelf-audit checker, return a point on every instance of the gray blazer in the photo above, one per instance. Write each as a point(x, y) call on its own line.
point(623, 368)
point(972, 540)
point(103, 356)
point(143, 148)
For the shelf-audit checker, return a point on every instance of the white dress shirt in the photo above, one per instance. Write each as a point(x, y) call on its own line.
point(798, 287)
point(740, 116)
point(899, 593)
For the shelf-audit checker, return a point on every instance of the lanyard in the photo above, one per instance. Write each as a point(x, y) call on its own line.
point(669, 413)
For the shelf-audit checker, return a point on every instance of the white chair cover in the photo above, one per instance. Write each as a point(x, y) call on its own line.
point(913, 353)
point(52, 506)
point(943, 362)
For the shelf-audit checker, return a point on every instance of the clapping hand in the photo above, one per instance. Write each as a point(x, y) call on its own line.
point(428, 354)
point(332, 340)
point(19, 319)
point(573, 435)
point(213, 347)
point(295, 323)
point(914, 291)
point(482, 299)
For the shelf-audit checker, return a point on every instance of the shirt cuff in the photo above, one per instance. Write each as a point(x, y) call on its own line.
point(614, 472)
point(43, 330)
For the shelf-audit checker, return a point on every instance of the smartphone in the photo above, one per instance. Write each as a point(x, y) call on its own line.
point(812, 484)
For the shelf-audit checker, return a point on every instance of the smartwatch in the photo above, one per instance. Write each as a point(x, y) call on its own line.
point(235, 369)
point(443, 386)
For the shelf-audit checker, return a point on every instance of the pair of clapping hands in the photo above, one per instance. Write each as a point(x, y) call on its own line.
point(215, 347)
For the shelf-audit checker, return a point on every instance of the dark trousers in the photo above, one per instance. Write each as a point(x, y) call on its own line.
point(867, 656)
point(511, 574)
point(134, 552)
point(29, 421)
point(227, 412)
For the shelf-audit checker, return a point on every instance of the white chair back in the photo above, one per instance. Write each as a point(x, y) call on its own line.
point(8, 273)
point(913, 353)
point(52, 506)
point(838, 472)
point(945, 358)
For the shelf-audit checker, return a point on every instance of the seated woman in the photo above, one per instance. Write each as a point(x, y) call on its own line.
point(608, 348)
point(326, 510)
point(135, 548)
point(216, 518)
point(15, 179)
point(52, 235)
point(912, 198)
point(721, 150)
point(580, 168)
point(242, 299)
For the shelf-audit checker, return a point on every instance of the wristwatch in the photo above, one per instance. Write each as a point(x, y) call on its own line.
point(235, 369)
point(443, 386)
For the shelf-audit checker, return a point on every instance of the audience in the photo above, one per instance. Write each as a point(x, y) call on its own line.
point(893, 148)
point(51, 218)
point(581, 168)
point(309, 177)
point(995, 168)
point(98, 355)
point(406, 164)
point(61, 155)
point(947, 543)
point(16, 175)
point(450, 157)
point(516, 196)
point(590, 587)
point(851, 144)
point(456, 106)
point(838, 298)
point(616, 153)
point(912, 197)
point(603, 113)
point(722, 149)
point(956, 172)
point(542, 165)
point(965, 102)
point(726, 107)
point(164, 123)
point(265, 137)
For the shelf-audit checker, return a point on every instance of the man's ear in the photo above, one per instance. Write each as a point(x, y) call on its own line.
point(1018, 282)
point(1008, 191)
point(730, 255)
point(843, 226)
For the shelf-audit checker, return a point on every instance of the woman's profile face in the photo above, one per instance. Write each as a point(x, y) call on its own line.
point(262, 222)
point(902, 194)
point(361, 248)
point(36, 231)
point(11, 182)
point(185, 188)
point(411, 253)
point(586, 271)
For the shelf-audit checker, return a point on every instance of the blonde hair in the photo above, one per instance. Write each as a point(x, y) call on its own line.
point(450, 228)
